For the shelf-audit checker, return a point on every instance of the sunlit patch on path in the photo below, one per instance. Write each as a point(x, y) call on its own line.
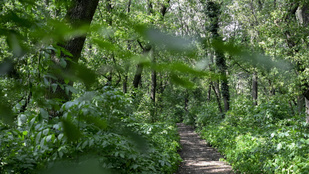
point(197, 156)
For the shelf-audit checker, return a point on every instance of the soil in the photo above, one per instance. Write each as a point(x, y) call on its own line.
point(198, 157)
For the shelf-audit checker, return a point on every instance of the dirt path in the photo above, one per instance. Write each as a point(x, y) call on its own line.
point(197, 156)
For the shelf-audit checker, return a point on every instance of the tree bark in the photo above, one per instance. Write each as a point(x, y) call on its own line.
point(209, 93)
point(125, 81)
point(217, 97)
point(138, 76)
point(306, 96)
point(300, 103)
point(213, 11)
point(255, 88)
point(79, 14)
point(124, 85)
point(153, 82)
point(140, 67)
point(302, 14)
point(304, 19)
point(154, 72)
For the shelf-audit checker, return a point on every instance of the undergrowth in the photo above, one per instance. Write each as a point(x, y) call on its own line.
point(97, 132)
point(258, 139)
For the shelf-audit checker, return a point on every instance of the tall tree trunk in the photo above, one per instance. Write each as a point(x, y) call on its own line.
point(307, 110)
point(153, 89)
point(302, 13)
point(139, 69)
point(300, 103)
point(255, 88)
point(153, 82)
point(138, 76)
point(306, 96)
point(164, 7)
point(217, 89)
point(304, 19)
point(217, 97)
point(213, 11)
point(125, 81)
point(124, 85)
point(209, 93)
point(79, 14)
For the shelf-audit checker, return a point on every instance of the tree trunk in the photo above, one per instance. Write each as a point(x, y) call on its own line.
point(154, 72)
point(300, 103)
point(307, 109)
point(213, 11)
point(255, 88)
point(138, 75)
point(154, 83)
point(124, 85)
point(217, 97)
point(301, 12)
point(303, 16)
point(153, 89)
point(186, 101)
point(217, 89)
point(225, 94)
point(209, 93)
point(79, 14)
point(125, 81)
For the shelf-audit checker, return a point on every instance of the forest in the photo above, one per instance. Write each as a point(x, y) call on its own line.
point(97, 86)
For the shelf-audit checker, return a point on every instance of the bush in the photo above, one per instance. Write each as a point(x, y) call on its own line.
point(261, 139)
point(96, 128)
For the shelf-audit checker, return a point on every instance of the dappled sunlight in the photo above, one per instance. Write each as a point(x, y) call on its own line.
point(197, 156)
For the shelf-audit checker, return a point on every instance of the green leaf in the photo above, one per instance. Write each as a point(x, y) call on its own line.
point(45, 131)
point(63, 63)
point(84, 74)
point(46, 82)
point(181, 82)
point(6, 66)
point(38, 137)
point(71, 88)
point(48, 138)
point(66, 52)
point(44, 113)
point(254, 58)
point(279, 146)
point(54, 87)
point(6, 114)
point(16, 45)
point(84, 144)
point(71, 131)
point(66, 81)
point(25, 133)
point(97, 121)
point(105, 44)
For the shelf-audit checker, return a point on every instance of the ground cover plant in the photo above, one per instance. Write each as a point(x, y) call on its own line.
point(263, 139)
point(97, 125)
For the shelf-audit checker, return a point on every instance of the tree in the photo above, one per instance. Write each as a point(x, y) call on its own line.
point(79, 14)
point(213, 11)
point(302, 13)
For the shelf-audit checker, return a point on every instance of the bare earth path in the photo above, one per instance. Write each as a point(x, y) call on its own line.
point(198, 157)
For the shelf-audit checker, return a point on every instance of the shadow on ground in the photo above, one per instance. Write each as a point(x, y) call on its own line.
point(198, 157)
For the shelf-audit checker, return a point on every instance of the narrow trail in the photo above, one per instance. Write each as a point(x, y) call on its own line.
point(198, 157)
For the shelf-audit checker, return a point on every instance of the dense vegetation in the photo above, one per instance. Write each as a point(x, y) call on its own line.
point(98, 85)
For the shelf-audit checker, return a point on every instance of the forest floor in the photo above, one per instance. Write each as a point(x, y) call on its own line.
point(198, 157)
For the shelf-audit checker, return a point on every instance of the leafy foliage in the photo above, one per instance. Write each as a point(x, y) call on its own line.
point(260, 139)
point(94, 126)
point(61, 108)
